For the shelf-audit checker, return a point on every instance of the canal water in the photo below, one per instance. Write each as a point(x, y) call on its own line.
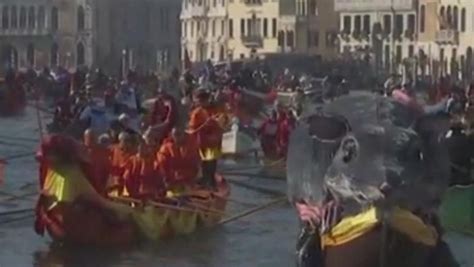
point(264, 239)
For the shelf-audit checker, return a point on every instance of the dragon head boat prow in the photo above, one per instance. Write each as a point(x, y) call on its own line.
point(363, 161)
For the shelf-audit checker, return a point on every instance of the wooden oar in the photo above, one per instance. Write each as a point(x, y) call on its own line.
point(256, 188)
point(254, 210)
point(18, 156)
point(14, 144)
point(160, 205)
point(256, 175)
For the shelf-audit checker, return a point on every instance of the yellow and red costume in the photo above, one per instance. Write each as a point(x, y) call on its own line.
point(179, 163)
point(141, 177)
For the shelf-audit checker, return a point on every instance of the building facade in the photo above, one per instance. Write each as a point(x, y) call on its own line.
point(204, 27)
point(308, 26)
point(384, 29)
point(97, 33)
point(446, 37)
point(254, 25)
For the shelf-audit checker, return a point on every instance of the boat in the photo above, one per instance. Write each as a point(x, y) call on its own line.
point(69, 217)
point(457, 210)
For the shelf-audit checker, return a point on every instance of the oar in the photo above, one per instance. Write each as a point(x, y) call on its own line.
point(254, 210)
point(160, 205)
point(17, 219)
point(13, 144)
point(256, 188)
point(18, 156)
point(256, 175)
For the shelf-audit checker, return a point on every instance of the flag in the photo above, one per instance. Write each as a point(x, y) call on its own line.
point(187, 61)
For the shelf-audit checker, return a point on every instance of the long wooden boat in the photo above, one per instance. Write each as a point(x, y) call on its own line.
point(457, 210)
point(124, 221)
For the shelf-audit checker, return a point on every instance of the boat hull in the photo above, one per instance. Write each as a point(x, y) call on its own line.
point(82, 224)
point(457, 210)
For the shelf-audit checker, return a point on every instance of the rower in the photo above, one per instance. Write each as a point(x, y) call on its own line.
point(207, 134)
point(121, 154)
point(100, 157)
point(179, 161)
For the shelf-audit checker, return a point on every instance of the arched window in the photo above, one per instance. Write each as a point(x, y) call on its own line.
point(5, 18)
point(14, 17)
point(81, 18)
point(281, 38)
point(290, 39)
point(22, 17)
point(455, 24)
point(422, 18)
point(80, 53)
point(449, 17)
point(463, 19)
point(31, 17)
point(30, 55)
point(41, 17)
point(54, 18)
point(442, 16)
point(54, 55)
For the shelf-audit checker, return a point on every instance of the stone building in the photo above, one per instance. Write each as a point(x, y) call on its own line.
point(384, 29)
point(111, 34)
point(204, 28)
point(308, 26)
point(446, 35)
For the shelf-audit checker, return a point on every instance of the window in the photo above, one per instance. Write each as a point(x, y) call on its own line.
point(387, 57)
point(399, 54)
point(387, 24)
point(54, 55)
point(347, 24)
point(81, 58)
point(54, 18)
point(242, 27)
point(290, 39)
point(265, 27)
point(422, 18)
point(303, 8)
point(222, 27)
point(192, 28)
point(274, 28)
point(231, 28)
point(367, 24)
point(398, 24)
point(449, 16)
point(357, 24)
point(442, 16)
point(454, 54)
point(31, 17)
point(213, 28)
point(249, 27)
point(411, 51)
point(30, 55)
point(81, 21)
point(456, 18)
point(463, 19)
point(281, 38)
point(41, 17)
point(185, 29)
point(312, 8)
point(214, 3)
point(22, 17)
point(5, 18)
point(411, 23)
point(14, 17)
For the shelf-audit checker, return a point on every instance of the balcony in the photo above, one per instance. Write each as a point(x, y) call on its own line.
point(447, 37)
point(373, 5)
point(25, 32)
point(253, 2)
point(252, 41)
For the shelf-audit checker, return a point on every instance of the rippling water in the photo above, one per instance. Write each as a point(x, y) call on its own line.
point(263, 239)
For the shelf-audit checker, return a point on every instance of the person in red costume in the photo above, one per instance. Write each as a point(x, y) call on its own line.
point(165, 112)
point(179, 160)
point(121, 155)
point(286, 124)
point(142, 178)
point(205, 128)
point(268, 133)
point(100, 156)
